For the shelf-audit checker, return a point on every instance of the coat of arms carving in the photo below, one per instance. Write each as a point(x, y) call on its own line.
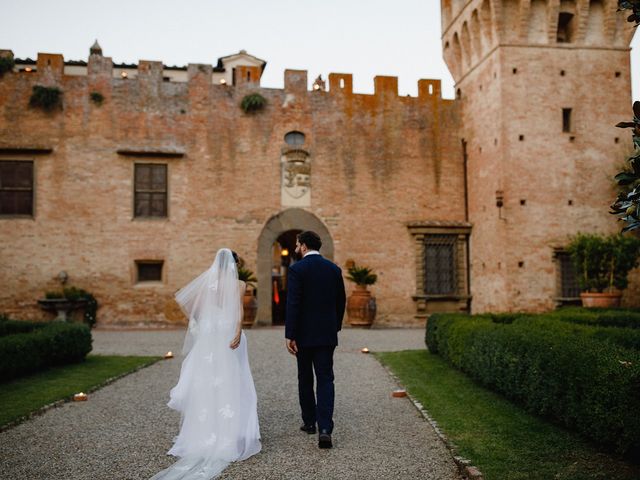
point(296, 178)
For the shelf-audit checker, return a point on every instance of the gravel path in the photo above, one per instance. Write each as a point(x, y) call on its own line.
point(125, 429)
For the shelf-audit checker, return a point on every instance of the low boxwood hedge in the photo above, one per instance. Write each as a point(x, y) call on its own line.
point(625, 318)
point(579, 376)
point(601, 317)
point(9, 327)
point(44, 346)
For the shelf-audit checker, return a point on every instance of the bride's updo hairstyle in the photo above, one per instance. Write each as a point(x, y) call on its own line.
point(236, 257)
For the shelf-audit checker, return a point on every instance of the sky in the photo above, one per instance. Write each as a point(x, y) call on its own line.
point(363, 37)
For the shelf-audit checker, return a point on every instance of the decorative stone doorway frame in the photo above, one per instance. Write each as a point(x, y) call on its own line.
point(290, 219)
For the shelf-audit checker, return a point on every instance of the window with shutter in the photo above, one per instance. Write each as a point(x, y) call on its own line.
point(568, 277)
point(16, 187)
point(150, 190)
point(440, 264)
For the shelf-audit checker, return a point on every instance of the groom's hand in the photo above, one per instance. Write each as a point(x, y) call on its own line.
point(291, 346)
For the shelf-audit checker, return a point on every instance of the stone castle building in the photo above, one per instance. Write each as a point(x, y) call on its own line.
point(140, 173)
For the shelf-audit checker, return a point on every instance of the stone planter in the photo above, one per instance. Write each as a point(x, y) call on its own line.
point(62, 306)
point(601, 300)
point(361, 307)
point(250, 306)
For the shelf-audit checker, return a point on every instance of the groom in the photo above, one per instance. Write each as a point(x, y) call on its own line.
point(315, 307)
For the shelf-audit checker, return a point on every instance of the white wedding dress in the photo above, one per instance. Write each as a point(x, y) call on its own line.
point(215, 393)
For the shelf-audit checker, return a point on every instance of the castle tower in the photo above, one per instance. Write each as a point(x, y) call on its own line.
point(541, 84)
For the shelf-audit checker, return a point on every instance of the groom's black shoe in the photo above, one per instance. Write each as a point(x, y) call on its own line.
point(310, 429)
point(324, 439)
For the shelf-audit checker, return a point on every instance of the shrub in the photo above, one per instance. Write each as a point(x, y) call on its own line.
point(599, 317)
point(6, 65)
point(10, 327)
point(52, 344)
point(603, 262)
point(253, 102)
point(574, 374)
point(46, 98)
point(361, 275)
point(97, 98)
point(247, 276)
point(74, 293)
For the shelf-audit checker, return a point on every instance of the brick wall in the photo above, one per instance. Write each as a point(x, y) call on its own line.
point(377, 161)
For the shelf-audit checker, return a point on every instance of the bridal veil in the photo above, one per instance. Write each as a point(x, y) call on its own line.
point(215, 393)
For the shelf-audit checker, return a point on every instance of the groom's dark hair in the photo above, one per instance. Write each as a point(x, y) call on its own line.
point(310, 239)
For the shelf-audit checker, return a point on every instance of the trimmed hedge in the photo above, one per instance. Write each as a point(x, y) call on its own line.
point(44, 346)
point(576, 375)
point(9, 327)
point(585, 316)
point(600, 317)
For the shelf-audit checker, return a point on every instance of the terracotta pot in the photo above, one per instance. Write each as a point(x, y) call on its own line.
point(250, 306)
point(361, 307)
point(601, 300)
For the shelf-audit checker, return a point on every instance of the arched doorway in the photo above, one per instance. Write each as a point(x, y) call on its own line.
point(279, 230)
point(282, 258)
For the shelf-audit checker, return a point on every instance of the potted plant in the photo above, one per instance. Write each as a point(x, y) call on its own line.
point(602, 266)
point(69, 299)
point(249, 301)
point(361, 305)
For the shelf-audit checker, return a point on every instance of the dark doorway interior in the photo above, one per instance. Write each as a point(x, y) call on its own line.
point(283, 257)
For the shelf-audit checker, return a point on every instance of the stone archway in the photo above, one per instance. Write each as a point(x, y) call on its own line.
point(290, 219)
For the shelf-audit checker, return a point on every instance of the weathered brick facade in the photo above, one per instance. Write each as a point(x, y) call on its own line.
point(384, 171)
point(514, 77)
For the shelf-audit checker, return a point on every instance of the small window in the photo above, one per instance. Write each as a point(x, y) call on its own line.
point(565, 28)
point(440, 265)
point(16, 188)
point(295, 139)
point(149, 271)
point(568, 279)
point(566, 120)
point(150, 190)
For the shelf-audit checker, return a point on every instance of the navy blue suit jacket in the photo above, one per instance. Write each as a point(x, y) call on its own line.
point(315, 302)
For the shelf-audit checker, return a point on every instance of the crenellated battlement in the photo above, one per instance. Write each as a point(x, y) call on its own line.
point(241, 75)
point(472, 29)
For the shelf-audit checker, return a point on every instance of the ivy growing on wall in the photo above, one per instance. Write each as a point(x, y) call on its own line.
point(46, 98)
point(253, 102)
point(6, 65)
point(97, 98)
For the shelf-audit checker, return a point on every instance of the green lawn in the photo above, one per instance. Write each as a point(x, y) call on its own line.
point(500, 438)
point(28, 394)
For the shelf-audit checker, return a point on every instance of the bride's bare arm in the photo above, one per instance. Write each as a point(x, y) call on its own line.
point(236, 339)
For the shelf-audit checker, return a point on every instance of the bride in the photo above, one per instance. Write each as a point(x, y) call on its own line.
point(215, 393)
